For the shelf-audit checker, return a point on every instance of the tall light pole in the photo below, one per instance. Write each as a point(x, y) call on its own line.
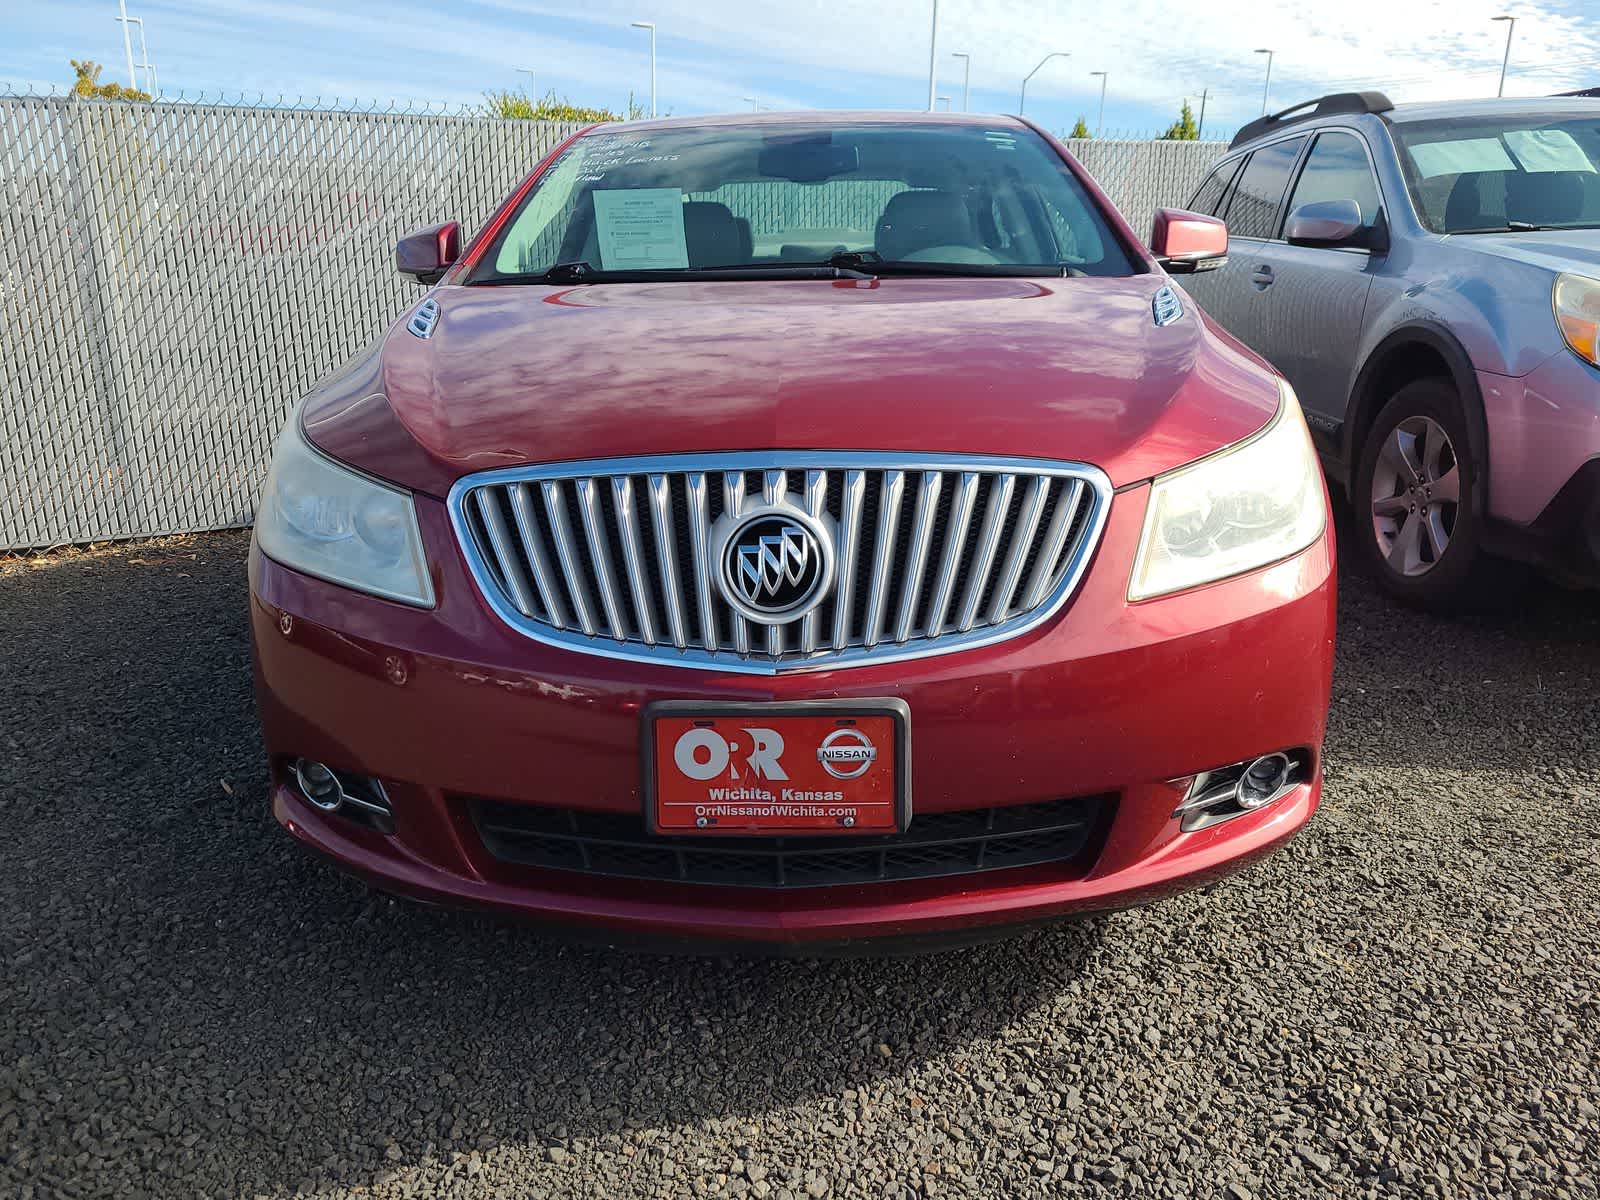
point(144, 63)
point(1266, 88)
point(127, 40)
point(944, 100)
point(651, 26)
point(533, 93)
point(1099, 122)
point(1200, 132)
point(1022, 103)
point(1511, 27)
point(966, 77)
point(755, 105)
point(933, 56)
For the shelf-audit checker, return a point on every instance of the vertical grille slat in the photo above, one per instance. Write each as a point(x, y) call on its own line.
point(921, 542)
point(633, 556)
point(667, 558)
point(855, 488)
point(881, 580)
point(555, 507)
point(600, 557)
point(1017, 553)
point(700, 538)
point(621, 557)
point(733, 502)
point(966, 495)
point(533, 548)
point(511, 571)
point(816, 503)
point(988, 545)
point(1053, 543)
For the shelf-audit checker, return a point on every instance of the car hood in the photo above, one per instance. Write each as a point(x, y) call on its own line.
point(1554, 250)
point(1063, 369)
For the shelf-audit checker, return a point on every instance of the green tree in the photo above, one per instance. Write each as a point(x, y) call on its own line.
point(1080, 130)
point(515, 106)
point(1183, 129)
point(88, 84)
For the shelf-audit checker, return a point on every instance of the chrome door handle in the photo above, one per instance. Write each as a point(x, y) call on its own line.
point(1262, 277)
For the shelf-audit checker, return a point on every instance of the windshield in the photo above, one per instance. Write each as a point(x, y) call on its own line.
point(1476, 175)
point(905, 198)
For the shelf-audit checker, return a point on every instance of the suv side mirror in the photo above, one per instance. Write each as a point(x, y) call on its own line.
point(1184, 242)
point(428, 253)
point(1326, 223)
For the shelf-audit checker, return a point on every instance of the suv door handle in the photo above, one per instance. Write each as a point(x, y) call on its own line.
point(1262, 277)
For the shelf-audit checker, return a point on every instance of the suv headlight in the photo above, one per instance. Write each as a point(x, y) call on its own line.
point(326, 520)
point(1577, 304)
point(1242, 508)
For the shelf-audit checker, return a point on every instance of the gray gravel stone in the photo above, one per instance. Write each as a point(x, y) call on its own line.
point(1405, 1001)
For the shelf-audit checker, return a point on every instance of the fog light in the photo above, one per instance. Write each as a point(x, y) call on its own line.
point(318, 784)
point(1262, 780)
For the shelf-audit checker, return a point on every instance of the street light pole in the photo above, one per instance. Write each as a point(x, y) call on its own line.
point(1266, 88)
point(933, 56)
point(1022, 103)
point(1200, 132)
point(966, 77)
point(1511, 27)
point(1100, 121)
point(127, 41)
point(651, 26)
point(533, 94)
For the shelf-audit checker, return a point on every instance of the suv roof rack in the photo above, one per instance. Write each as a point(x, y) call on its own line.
point(1339, 102)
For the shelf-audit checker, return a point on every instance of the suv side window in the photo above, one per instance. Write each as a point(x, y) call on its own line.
point(1253, 212)
point(1337, 169)
point(1209, 196)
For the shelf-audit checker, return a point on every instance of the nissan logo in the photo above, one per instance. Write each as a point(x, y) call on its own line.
point(775, 564)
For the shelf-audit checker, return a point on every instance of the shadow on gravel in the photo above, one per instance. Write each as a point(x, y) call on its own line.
point(1414, 688)
point(184, 995)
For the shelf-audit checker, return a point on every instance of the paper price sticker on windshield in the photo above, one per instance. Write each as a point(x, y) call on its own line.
point(640, 229)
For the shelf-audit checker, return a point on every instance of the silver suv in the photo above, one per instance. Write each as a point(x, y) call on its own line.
point(1428, 278)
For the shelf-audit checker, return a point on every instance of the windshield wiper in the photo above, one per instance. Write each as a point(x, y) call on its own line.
point(1508, 227)
point(872, 262)
point(583, 272)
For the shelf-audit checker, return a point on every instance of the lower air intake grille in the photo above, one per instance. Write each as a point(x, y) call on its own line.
point(1067, 832)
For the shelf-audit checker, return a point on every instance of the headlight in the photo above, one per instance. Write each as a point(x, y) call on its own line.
point(328, 521)
point(1244, 507)
point(1577, 305)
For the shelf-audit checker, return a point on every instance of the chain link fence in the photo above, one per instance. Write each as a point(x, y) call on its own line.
point(178, 274)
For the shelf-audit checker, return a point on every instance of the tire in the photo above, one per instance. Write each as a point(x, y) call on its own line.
point(1411, 501)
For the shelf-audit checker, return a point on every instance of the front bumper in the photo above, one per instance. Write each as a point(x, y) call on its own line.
point(449, 706)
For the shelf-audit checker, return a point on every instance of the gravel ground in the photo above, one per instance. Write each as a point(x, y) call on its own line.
point(1404, 1002)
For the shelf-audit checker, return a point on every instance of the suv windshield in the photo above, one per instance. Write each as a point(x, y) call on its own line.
point(1477, 175)
point(785, 199)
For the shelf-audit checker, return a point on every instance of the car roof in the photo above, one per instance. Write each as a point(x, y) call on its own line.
point(813, 118)
point(1345, 107)
point(1519, 106)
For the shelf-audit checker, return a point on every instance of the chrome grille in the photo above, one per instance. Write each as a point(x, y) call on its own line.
point(614, 556)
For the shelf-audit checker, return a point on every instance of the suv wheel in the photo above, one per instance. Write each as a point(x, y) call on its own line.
point(1413, 497)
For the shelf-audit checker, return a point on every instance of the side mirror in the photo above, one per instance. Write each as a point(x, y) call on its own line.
point(1325, 223)
point(428, 253)
point(1184, 242)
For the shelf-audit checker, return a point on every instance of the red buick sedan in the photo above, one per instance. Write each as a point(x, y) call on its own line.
point(796, 530)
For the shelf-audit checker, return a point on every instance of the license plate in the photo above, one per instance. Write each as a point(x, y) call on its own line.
point(809, 768)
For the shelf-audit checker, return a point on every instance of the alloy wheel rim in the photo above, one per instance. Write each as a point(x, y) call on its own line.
point(1416, 496)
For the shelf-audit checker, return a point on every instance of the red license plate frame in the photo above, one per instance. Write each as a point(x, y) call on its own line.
point(811, 800)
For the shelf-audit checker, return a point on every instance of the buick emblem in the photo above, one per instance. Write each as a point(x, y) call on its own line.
point(774, 564)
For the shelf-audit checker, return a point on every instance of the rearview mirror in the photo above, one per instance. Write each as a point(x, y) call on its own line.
point(1325, 223)
point(427, 253)
point(1184, 241)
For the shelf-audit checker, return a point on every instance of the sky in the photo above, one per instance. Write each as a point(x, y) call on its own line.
point(729, 55)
